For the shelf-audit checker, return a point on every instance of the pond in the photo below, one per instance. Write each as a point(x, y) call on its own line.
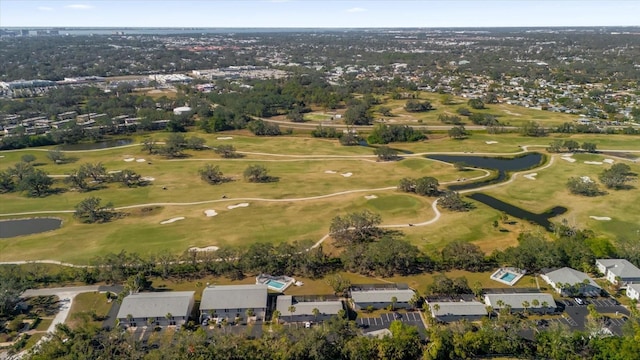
point(540, 219)
point(96, 145)
point(19, 227)
point(501, 164)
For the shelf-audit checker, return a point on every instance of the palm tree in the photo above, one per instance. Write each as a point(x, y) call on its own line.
point(169, 317)
point(436, 308)
point(489, 309)
point(535, 303)
point(291, 309)
point(526, 305)
point(394, 300)
point(500, 304)
point(275, 316)
point(544, 306)
point(315, 313)
point(250, 313)
point(129, 319)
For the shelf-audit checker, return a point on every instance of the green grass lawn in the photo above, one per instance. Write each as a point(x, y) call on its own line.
point(85, 305)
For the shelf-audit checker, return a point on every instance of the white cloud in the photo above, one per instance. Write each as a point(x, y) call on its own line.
point(79, 7)
point(356, 10)
point(45, 8)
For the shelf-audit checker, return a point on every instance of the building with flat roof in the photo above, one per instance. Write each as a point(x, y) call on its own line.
point(450, 311)
point(382, 297)
point(156, 309)
point(515, 301)
point(233, 301)
point(571, 282)
point(622, 269)
point(304, 310)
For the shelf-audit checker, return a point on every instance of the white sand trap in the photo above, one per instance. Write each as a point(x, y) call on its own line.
point(208, 248)
point(129, 159)
point(370, 197)
point(141, 160)
point(569, 159)
point(147, 178)
point(490, 142)
point(600, 218)
point(114, 171)
point(231, 207)
point(347, 174)
point(594, 162)
point(224, 138)
point(210, 213)
point(608, 161)
point(330, 172)
point(586, 179)
point(531, 176)
point(172, 220)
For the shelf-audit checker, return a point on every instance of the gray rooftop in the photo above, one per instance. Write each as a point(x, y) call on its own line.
point(635, 287)
point(620, 267)
point(306, 308)
point(234, 297)
point(515, 300)
point(567, 275)
point(381, 296)
point(458, 308)
point(149, 305)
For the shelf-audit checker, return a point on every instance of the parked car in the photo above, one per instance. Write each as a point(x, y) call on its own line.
point(579, 301)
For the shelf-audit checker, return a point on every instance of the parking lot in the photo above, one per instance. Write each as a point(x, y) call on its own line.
point(384, 320)
point(597, 302)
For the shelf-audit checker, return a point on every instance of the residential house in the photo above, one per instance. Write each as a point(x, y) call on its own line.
point(156, 309)
point(364, 296)
point(233, 301)
point(449, 311)
point(304, 310)
point(571, 282)
point(618, 269)
point(537, 302)
point(633, 291)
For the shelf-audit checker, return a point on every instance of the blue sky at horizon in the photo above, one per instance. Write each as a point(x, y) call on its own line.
point(314, 13)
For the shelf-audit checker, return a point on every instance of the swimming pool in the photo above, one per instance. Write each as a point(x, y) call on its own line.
point(508, 277)
point(275, 284)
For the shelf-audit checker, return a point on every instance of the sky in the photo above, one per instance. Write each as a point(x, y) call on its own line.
point(314, 13)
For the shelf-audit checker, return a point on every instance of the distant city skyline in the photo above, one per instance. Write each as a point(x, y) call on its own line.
point(318, 14)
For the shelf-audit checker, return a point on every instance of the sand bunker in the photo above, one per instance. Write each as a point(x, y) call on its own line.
point(594, 162)
point(129, 159)
point(172, 220)
point(347, 174)
point(224, 138)
point(531, 176)
point(600, 218)
point(114, 171)
point(608, 161)
point(147, 178)
point(490, 142)
point(210, 213)
point(586, 179)
point(231, 207)
point(330, 172)
point(141, 160)
point(569, 159)
point(208, 248)
point(369, 197)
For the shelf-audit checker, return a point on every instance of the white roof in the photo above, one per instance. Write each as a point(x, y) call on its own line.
point(458, 308)
point(567, 275)
point(381, 295)
point(620, 267)
point(234, 297)
point(306, 308)
point(150, 305)
point(515, 300)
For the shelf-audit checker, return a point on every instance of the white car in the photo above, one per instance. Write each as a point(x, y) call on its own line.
point(579, 301)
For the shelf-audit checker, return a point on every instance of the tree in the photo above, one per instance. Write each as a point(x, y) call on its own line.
point(56, 156)
point(616, 176)
point(257, 174)
point(212, 174)
point(589, 147)
point(294, 115)
point(571, 145)
point(174, 145)
point(476, 104)
point(526, 305)
point(226, 151)
point(36, 183)
point(385, 111)
point(532, 128)
point(394, 300)
point(149, 145)
point(127, 177)
point(418, 106)
point(407, 185)
point(6, 182)
point(386, 153)
point(451, 200)
point(78, 180)
point(28, 158)
point(315, 312)
point(90, 211)
point(583, 186)
point(291, 309)
point(97, 172)
point(20, 170)
point(457, 132)
point(427, 186)
point(196, 143)
point(359, 114)
point(545, 305)
point(275, 315)
point(339, 284)
point(356, 227)
point(263, 128)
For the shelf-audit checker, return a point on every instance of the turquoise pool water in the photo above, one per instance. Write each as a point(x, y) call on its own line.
point(275, 284)
point(508, 277)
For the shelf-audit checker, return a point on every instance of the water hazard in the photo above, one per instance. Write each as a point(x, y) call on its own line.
point(540, 219)
point(19, 227)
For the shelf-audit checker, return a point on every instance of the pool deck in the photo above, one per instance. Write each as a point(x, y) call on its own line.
point(498, 274)
point(285, 281)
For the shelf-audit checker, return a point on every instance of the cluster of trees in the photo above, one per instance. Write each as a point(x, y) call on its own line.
point(418, 106)
point(91, 210)
point(23, 176)
point(384, 134)
point(385, 153)
point(425, 186)
point(571, 146)
point(263, 128)
point(617, 176)
point(174, 145)
point(450, 119)
point(213, 175)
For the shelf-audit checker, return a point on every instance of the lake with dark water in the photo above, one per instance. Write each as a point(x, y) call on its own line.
point(96, 145)
point(511, 210)
point(19, 227)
